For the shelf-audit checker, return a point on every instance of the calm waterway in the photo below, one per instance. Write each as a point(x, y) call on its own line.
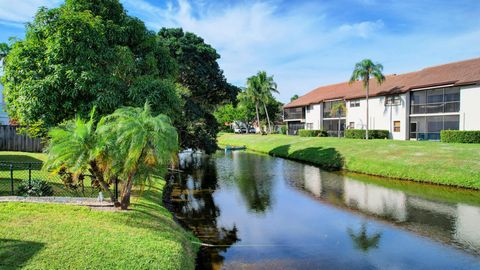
point(262, 212)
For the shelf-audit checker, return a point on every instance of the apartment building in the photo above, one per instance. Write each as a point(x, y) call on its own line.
point(415, 105)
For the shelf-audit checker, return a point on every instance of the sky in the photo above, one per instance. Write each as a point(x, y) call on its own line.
point(304, 44)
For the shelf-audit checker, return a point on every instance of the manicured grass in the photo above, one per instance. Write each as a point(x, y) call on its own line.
point(49, 236)
point(440, 163)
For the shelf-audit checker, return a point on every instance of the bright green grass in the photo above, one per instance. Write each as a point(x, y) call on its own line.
point(49, 236)
point(21, 173)
point(441, 163)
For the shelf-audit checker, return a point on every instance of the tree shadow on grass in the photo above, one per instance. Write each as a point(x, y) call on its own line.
point(327, 158)
point(15, 254)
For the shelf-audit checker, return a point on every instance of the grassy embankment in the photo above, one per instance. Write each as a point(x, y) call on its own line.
point(52, 236)
point(434, 162)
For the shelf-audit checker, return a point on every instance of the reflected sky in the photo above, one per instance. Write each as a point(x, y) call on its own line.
point(271, 213)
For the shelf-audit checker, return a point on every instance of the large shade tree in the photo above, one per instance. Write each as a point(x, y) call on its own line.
point(205, 87)
point(364, 71)
point(84, 54)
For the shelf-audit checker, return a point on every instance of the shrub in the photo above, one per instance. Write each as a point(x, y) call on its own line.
point(312, 133)
point(35, 188)
point(460, 136)
point(283, 129)
point(372, 134)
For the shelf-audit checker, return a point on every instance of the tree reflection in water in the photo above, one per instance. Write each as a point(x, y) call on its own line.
point(253, 182)
point(362, 241)
point(194, 207)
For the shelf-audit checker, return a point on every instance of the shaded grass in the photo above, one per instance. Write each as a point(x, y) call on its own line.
point(50, 236)
point(434, 162)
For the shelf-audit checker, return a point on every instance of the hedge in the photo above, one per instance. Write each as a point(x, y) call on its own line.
point(460, 136)
point(312, 133)
point(372, 134)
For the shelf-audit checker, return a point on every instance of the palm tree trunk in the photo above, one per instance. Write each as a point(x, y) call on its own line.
point(268, 118)
point(96, 172)
point(126, 193)
point(366, 131)
point(258, 116)
point(339, 120)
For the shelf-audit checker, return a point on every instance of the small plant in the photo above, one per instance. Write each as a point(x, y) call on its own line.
point(35, 188)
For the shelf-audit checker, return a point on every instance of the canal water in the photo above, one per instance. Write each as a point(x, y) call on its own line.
point(255, 211)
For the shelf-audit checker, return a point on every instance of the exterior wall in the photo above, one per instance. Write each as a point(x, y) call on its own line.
point(469, 108)
point(313, 116)
point(381, 116)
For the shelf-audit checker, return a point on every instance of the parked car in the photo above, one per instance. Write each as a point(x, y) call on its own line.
point(240, 130)
point(252, 130)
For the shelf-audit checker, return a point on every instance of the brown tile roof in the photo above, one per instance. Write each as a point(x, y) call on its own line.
point(457, 73)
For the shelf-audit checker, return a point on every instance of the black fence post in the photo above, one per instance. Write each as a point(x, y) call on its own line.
point(116, 188)
point(11, 180)
point(29, 174)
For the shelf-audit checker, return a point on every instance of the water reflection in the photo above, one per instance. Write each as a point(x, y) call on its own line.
point(363, 240)
point(261, 212)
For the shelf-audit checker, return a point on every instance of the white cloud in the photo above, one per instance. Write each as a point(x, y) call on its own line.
point(21, 11)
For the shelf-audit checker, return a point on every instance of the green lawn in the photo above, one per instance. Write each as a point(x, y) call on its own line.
point(48, 236)
point(441, 163)
point(51, 236)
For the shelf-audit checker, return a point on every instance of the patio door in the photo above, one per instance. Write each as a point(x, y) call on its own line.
point(413, 130)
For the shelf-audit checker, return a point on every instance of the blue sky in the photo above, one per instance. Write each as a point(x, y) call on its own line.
point(304, 44)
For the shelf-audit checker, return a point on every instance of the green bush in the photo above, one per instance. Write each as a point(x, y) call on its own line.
point(312, 133)
point(283, 129)
point(35, 188)
point(372, 134)
point(460, 136)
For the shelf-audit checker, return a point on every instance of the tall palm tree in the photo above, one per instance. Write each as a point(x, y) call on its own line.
point(75, 146)
point(337, 109)
point(260, 88)
point(143, 146)
point(363, 71)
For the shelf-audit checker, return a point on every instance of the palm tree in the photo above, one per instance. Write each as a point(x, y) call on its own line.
point(260, 88)
point(143, 146)
point(337, 109)
point(75, 146)
point(363, 71)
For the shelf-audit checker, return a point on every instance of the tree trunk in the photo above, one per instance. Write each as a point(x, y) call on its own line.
point(99, 177)
point(258, 116)
point(339, 120)
point(126, 193)
point(268, 118)
point(366, 131)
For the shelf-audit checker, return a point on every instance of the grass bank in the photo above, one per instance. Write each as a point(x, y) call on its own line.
point(434, 162)
point(52, 236)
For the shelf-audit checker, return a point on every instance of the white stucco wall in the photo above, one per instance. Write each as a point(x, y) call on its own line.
point(313, 115)
point(381, 116)
point(469, 108)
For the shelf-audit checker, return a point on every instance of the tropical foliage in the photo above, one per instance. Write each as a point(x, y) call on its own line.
point(204, 85)
point(364, 71)
point(130, 146)
point(259, 90)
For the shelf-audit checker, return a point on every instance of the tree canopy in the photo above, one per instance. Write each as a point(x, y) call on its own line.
point(205, 87)
point(85, 54)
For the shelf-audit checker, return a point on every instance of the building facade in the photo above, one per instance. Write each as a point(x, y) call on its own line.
point(416, 105)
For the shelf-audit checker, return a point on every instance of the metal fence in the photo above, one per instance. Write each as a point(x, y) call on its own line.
point(14, 175)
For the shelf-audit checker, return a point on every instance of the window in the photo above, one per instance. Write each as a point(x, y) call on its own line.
point(354, 103)
point(327, 108)
point(442, 100)
point(294, 113)
point(351, 125)
point(396, 126)
point(429, 127)
point(392, 100)
point(331, 126)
